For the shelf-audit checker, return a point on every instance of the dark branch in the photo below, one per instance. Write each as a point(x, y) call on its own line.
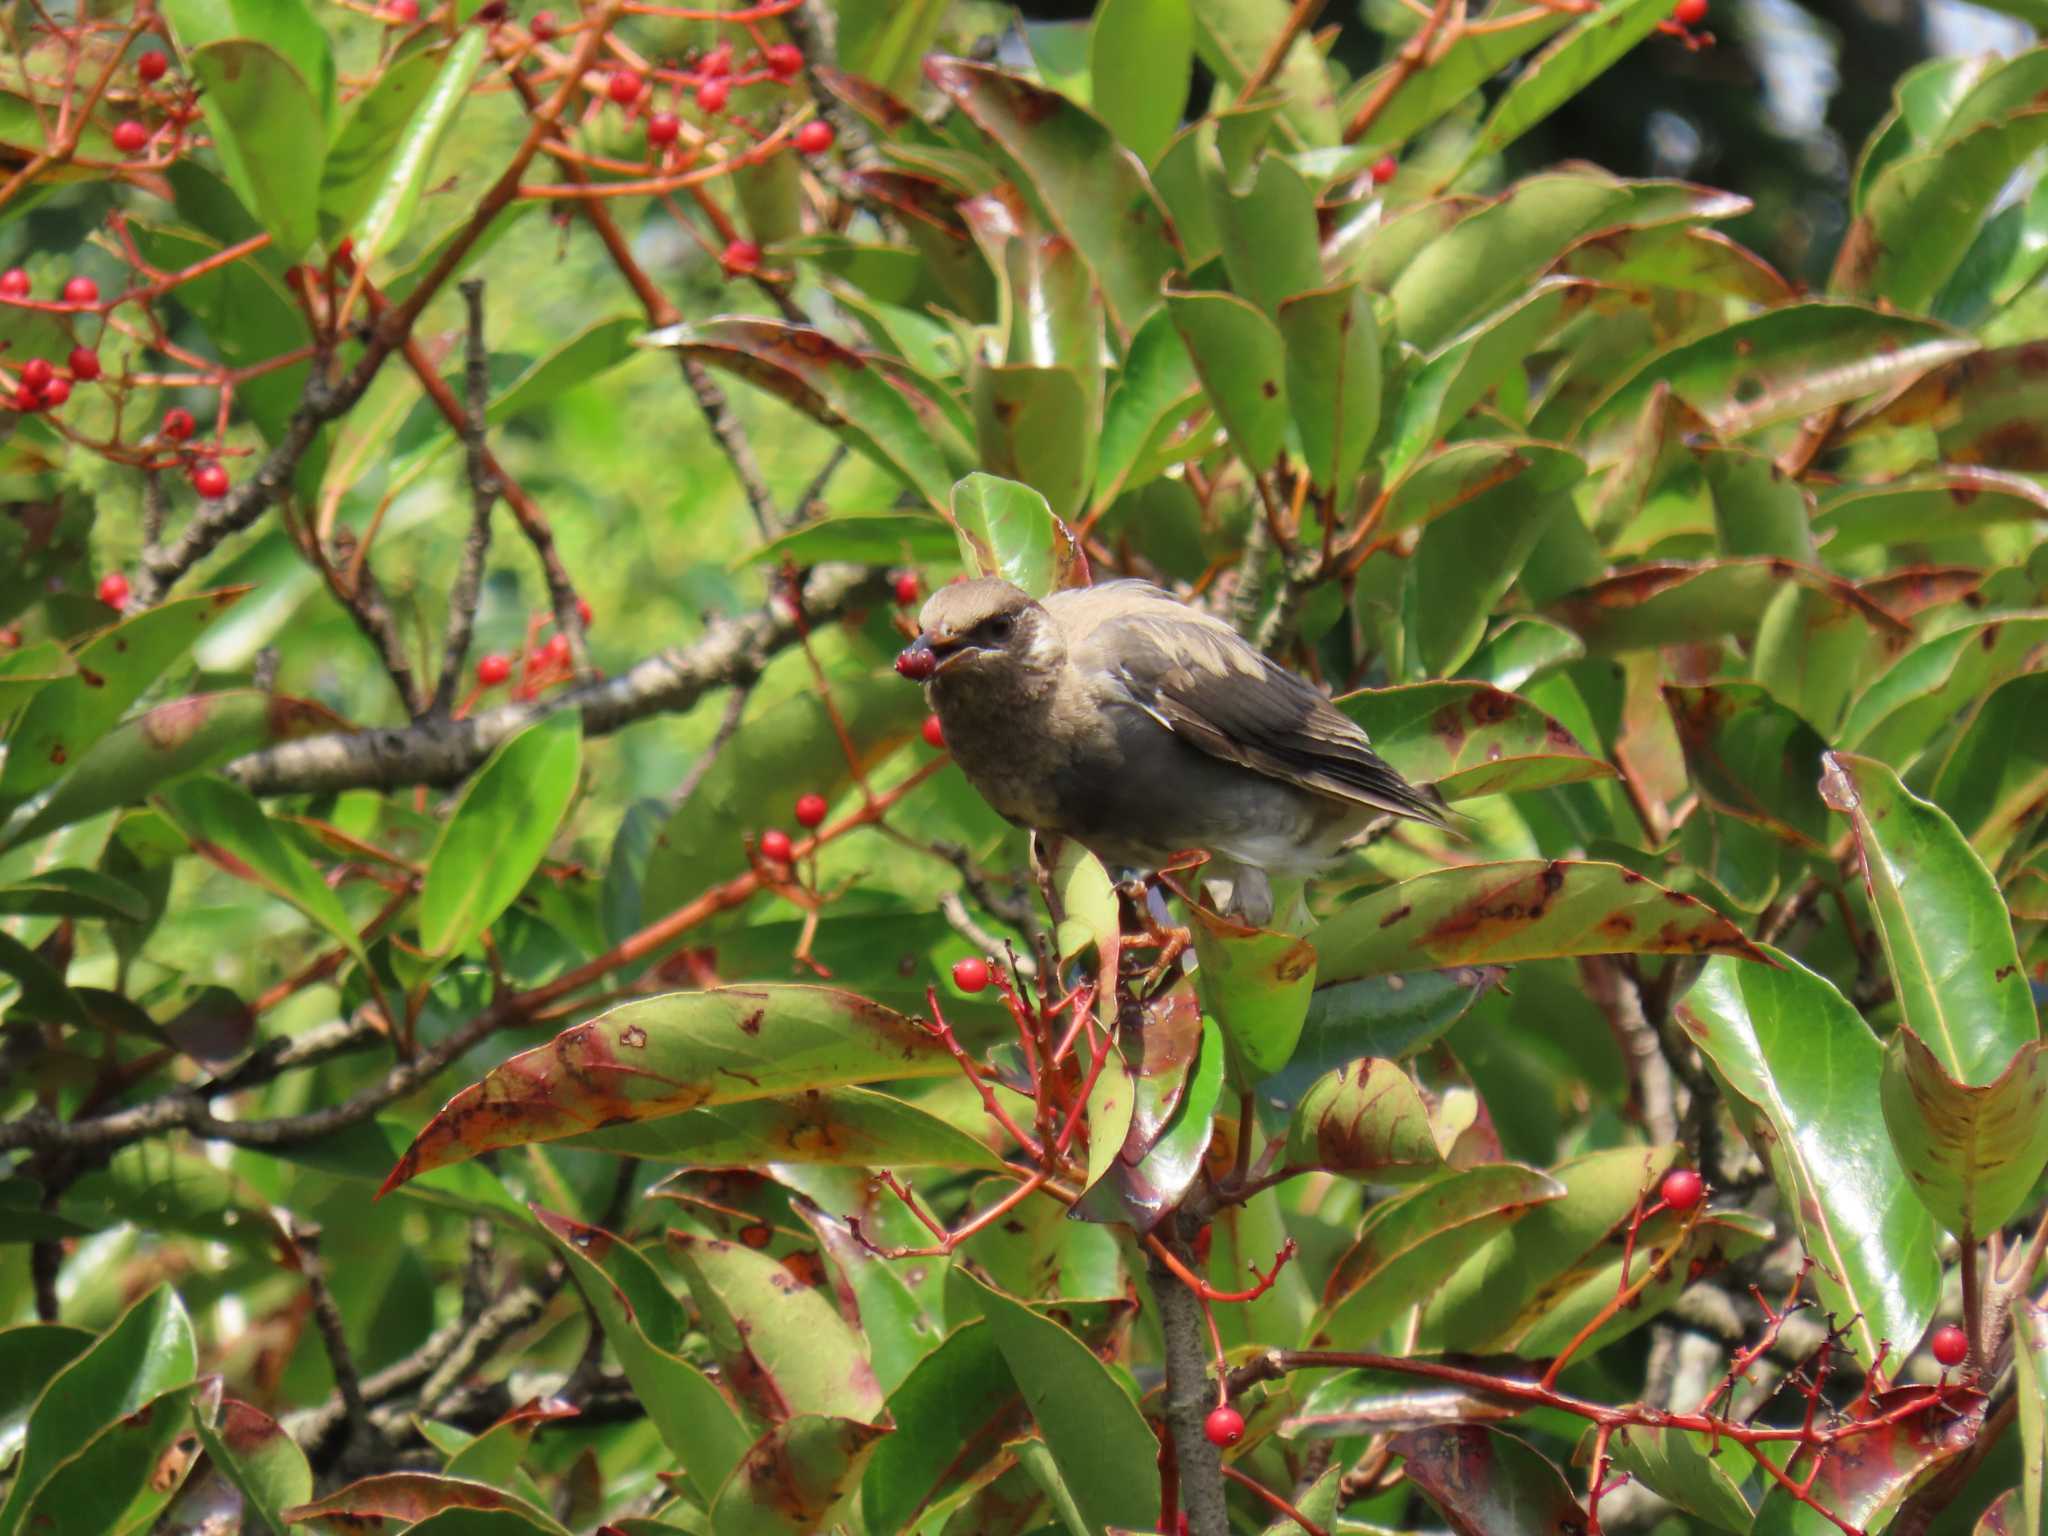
point(483, 495)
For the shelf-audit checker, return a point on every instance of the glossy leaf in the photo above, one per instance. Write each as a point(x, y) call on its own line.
point(1232, 38)
point(1422, 96)
point(1242, 363)
point(1862, 1481)
point(265, 119)
point(1089, 187)
point(390, 213)
point(782, 1343)
point(1520, 910)
point(74, 893)
point(1470, 739)
point(1155, 390)
point(1141, 1187)
point(838, 1127)
point(1802, 1072)
point(1255, 983)
point(1365, 1120)
point(1333, 380)
point(1683, 1467)
point(417, 1496)
point(1751, 757)
point(1392, 1016)
point(252, 1451)
point(1100, 1442)
point(665, 1055)
point(952, 1413)
point(794, 1477)
point(1973, 1153)
point(1265, 220)
point(1139, 58)
point(499, 832)
point(1594, 45)
point(1903, 708)
point(1992, 779)
point(1008, 530)
point(111, 670)
point(116, 1480)
point(644, 1325)
point(1946, 932)
point(1671, 602)
point(1958, 498)
point(1486, 1481)
point(905, 538)
point(31, 1355)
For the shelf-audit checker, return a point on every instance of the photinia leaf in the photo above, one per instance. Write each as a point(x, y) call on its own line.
point(1140, 56)
point(1242, 363)
point(269, 131)
point(1007, 530)
point(1255, 983)
point(1750, 756)
point(1333, 380)
point(794, 1477)
point(1470, 739)
point(1486, 1482)
point(1365, 1120)
point(1973, 1153)
point(416, 1496)
point(385, 222)
point(1594, 45)
point(118, 1479)
point(252, 1451)
point(1682, 1466)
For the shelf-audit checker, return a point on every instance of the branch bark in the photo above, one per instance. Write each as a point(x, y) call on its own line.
point(1188, 1401)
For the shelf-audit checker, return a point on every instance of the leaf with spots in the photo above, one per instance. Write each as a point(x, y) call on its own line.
point(782, 1346)
point(1801, 1072)
point(831, 1127)
point(1242, 363)
point(667, 1055)
point(1487, 1482)
point(110, 672)
point(1680, 602)
point(794, 1477)
point(1524, 909)
point(1470, 739)
point(952, 1414)
point(416, 1496)
point(119, 1479)
point(1956, 498)
point(252, 1451)
point(1255, 983)
point(1365, 1120)
point(1751, 757)
point(1946, 932)
point(1972, 1152)
point(1864, 1479)
point(1905, 707)
point(1008, 530)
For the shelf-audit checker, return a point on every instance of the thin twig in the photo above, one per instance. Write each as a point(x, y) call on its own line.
point(483, 495)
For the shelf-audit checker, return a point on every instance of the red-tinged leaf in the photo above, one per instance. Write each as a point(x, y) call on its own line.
point(1255, 982)
point(1946, 933)
point(1525, 909)
point(1973, 1153)
point(1751, 757)
point(2007, 1516)
point(884, 110)
point(1674, 603)
point(666, 1055)
point(1139, 1191)
point(1008, 530)
point(833, 384)
point(840, 1127)
point(1470, 739)
point(794, 1477)
point(783, 1345)
point(412, 1496)
point(1368, 1121)
point(952, 1414)
point(1089, 187)
point(252, 1451)
point(1913, 589)
point(1954, 501)
point(1159, 1040)
point(1369, 1402)
point(1984, 409)
point(1486, 1482)
point(1862, 1478)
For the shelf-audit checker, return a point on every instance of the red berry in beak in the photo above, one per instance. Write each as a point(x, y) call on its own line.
point(916, 662)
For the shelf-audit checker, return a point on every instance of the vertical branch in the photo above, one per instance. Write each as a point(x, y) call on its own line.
point(1188, 1401)
point(483, 492)
point(305, 1241)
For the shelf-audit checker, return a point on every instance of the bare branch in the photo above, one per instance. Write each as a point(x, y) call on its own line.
point(483, 495)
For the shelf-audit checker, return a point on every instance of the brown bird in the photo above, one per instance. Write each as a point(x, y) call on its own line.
point(1141, 727)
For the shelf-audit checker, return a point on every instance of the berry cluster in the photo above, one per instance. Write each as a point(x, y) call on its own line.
point(542, 663)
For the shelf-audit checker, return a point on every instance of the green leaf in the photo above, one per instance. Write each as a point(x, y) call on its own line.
point(1255, 983)
point(1992, 778)
point(43, 994)
point(1007, 530)
point(1863, 1482)
point(1957, 499)
point(146, 1353)
point(1140, 54)
point(499, 832)
point(1777, 366)
point(167, 742)
point(1973, 1153)
point(644, 1325)
point(881, 41)
point(950, 1413)
point(785, 1340)
point(1487, 1482)
point(1680, 1466)
point(1521, 649)
point(251, 1450)
point(1518, 910)
point(1758, 510)
point(1333, 380)
point(843, 1127)
point(1946, 933)
point(834, 385)
point(1155, 390)
point(1099, 1440)
point(1409, 1245)
point(418, 1496)
point(114, 1481)
point(1905, 707)
point(1594, 45)
point(1143, 1185)
point(1232, 38)
point(666, 1055)
point(31, 1355)
point(1266, 227)
point(269, 131)
point(1088, 187)
point(368, 137)
point(1470, 739)
point(1366, 1121)
point(1750, 756)
point(1034, 425)
point(1507, 1288)
point(227, 826)
point(1673, 602)
point(2030, 1358)
point(1452, 80)
point(1802, 1074)
point(1392, 1016)
point(1242, 363)
point(74, 893)
point(794, 1477)
point(896, 538)
point(69, 714)
point(1038, 1246)
point(289, 26)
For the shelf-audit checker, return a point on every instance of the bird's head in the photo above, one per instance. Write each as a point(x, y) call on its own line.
point(985, 631)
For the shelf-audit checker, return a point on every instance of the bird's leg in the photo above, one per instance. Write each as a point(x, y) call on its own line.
point(1045, 862)
point(1148, 908)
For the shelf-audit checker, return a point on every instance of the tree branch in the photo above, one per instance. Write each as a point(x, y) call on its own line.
point(483, 494)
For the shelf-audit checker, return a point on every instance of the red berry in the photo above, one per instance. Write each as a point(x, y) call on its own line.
point(557, 650)
point(784, 60)
point(26, 399)
point(1384, 170)
point(114, 590)
point(712, 96)
point(13, 284)
point(583, 613)
point(741, 256)
point(210, 481)
point(623, 87)
point(494, 669)
point(81, 290)
point(906, 588)
point(663, 127)
point(1950, 1344)
point(404, 11)
point(971, 974)
point(85, 364)
point(915, 664)
point(151, 67)
point(1689, 13)
point(1682, 1189)
point(1224, 1426)
point(56, 392)
point(814, 138)
point(129, 136)
point(775, 846)
point(934, 733)
point(716, 63)
point(36, 373)
point(178, 424)
point(810, 810)
point(543, 26)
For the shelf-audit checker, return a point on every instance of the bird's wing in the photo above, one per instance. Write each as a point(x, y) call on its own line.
point(1197, 677)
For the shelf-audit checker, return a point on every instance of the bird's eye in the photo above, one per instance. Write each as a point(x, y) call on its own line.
point(998, 629)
